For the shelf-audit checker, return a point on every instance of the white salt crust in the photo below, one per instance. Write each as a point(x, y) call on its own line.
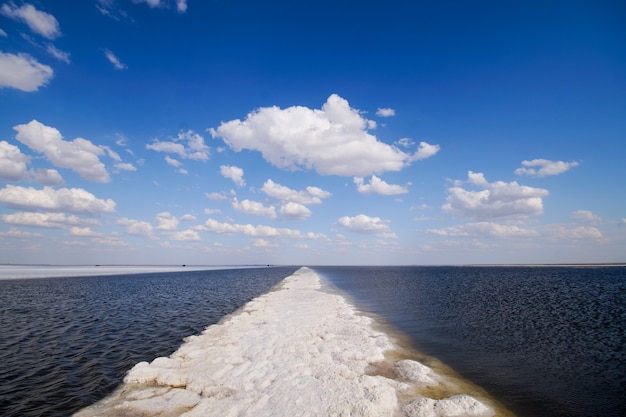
point(295, 351)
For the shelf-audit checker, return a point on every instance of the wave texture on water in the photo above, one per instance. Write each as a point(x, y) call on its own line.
point(67, 342)
point(295, 351)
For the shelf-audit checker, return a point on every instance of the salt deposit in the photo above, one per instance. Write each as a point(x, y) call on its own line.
point(295, 351)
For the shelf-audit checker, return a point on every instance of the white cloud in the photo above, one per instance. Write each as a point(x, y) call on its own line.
point(261, 243)
point(494, 200)
point(483, 229)
point(213, 226)
point(254, 208)
point(188, 218)
point(181, 6)
point(185, 235)
point(79, 155)
point(405, 142)
point(16, 233)
point(425, 150)
point(151, 3)
point(113, 59)
point(12, 163)
point(546, 167)
point(211, 211)
point(586, 216)
point(295, 211)
point(3, 33)
point(173, 162)
point(125, 166)
point(39, 22)
point(234, 173)
point(332, 140)
point(58, 54)
point(48, 177)
point(312, 195)
point(366, 224)
point(385, 112)
point(135, 227)
point(23, 72)
point(378, 186)
point(74, 200)
point(576, 233)
point(110, 8)
point(221, 196)
point(165, 221)
point(194, 149)
point(47, 220)
point(83, 232)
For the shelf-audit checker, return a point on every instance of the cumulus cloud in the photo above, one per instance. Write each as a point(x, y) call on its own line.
point(544, 167)
point(38, 21)
point(311, 195)
point(295, 211)
point(79, 155)
point(333, 140)
point(173, 162)
point(385, 112)
point(20, 234)
point(489, 229)
point(73, 200)
point(166, 221)
point(494, 200)
point(113, 59)
point(185, 235)
point(586, 216)
point(378, 186)
point(46, 176)
point(234, 173)
point(366, 224)
point(425, 150)
point(260, 231)
point(47, 220)
point(83, 232)
point(13, 163)
point(23, 72)
point(135, 227)
point(254, 208)
point(187, 145)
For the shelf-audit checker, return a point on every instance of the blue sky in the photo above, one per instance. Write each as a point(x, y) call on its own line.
point(343, 132)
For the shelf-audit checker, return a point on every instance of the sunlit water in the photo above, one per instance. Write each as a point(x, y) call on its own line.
point(66, 343)
point(545, 341)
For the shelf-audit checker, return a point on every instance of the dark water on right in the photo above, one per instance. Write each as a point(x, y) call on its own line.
point(545, 341)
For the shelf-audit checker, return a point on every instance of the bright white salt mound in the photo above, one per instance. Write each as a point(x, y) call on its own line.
point(295, 351)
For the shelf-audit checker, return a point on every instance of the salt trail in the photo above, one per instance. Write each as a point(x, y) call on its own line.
point(295, 351)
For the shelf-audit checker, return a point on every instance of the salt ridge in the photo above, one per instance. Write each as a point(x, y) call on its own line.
point(295, 351)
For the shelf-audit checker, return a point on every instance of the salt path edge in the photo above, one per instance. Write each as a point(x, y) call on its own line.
point(294, 351)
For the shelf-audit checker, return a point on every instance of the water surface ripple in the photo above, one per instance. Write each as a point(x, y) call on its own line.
point(547, 341)
point(65, 343)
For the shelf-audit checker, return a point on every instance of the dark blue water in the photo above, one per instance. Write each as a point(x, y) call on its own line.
point(66, 343)
point(545, 341)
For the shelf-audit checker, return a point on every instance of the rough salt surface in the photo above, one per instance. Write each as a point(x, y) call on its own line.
point(295, 351)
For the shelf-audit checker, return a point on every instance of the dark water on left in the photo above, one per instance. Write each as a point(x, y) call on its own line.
point(66, 343)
